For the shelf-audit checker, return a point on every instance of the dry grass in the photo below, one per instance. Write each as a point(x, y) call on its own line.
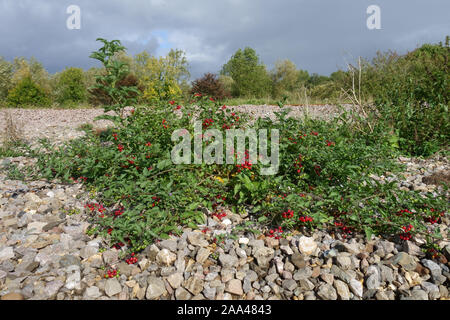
point(12, 132)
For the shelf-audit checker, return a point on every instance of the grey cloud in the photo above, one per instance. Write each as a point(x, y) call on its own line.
point(318, 36)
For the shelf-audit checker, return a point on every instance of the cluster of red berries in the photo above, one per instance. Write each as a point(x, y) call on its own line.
point(433, 253)
point(95, 206)
point(120, 147)
point(118, 245)
point(246, 165)
point(275, 233)
point(288, 214)
point(317, 169)
point(118, 212)
point(293, 140)
point(205, 230)
point(401, 212)
point(207, 123)
point(220, 215)
point(115, 136)
point(156, 200)
point(432, 220)
point(314, 133)
point(329, 143)
point(298, 163)
point(305, 219)
point(112, 273)
point(172, 102)
point(164, 124)
point(406, 235)
point(132, 259)
point(197, 95)
point(345, 230)
point(79, 178)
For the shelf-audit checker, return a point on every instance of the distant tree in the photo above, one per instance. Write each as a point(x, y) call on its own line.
point(209, 85)
point(248, 73)
point(70, 85)
point(161, 77)
point(317, 79)
point(27, 92)
point(284, 77)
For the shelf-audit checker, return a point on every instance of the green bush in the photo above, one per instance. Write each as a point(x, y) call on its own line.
point(411, 94)
point(26, 92)
point(70, 86)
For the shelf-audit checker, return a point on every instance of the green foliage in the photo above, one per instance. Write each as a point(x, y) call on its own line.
point(411, 94)
point(115, 70)
point(26, 92)
point(249, 75)
point(71, 87)
point(163, 77)
point(324, 178)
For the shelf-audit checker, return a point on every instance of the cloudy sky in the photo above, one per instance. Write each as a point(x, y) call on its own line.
point(318, 35)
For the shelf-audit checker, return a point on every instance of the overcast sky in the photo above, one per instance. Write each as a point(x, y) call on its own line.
point(317, 35)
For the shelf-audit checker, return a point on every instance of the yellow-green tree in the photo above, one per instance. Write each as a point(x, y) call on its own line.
point(161, 77)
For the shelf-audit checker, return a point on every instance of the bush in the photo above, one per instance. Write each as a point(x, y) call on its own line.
point(411, 94)
point(70, 86)
point(211, 86)
point(100, 97)
point(26, 92)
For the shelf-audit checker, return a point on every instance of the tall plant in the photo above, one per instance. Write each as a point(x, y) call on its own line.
point(115, 70)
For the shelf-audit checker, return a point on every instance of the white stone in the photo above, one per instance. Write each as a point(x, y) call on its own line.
point(307, 245)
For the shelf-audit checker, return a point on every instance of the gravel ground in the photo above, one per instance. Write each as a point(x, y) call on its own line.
point(63, 124)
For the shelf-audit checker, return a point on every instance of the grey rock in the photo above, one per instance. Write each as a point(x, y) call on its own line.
point(52, 288)
point(182, 294)
point(341, 274)
point(373, 282)
point(431, 289)
point(112, 287)
point(91, 293)
point(210, 293)
point(405, 260)
point(342, 289)
point(251, 276)
point(194, 285)
point(202, 255)
point(435, 269)
point(298, 260)
point(175, 280)
point(387, 274)
point(344, 262)
point(356, 287)
point(263, 256)
point(6, 253)
point(69, 260)
point(156, 288)
point(412, 249)
point(306, 285)
point(73, 280)
point(303, 273)
point(289, 284)
point(197, 239)
point(234, 286)
point(327, 292)
point(169, 244)
point(227, 260)
point(165, 257)
point(88, 251)
point(416, 295)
